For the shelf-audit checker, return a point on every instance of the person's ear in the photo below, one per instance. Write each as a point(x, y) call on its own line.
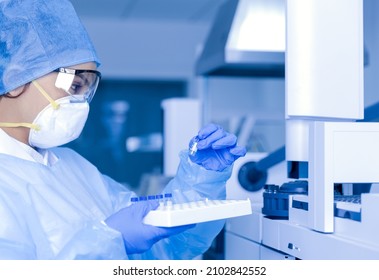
point(17, 91)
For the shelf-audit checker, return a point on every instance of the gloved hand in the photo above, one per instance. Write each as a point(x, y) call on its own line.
point(216, 148)
point(137, 236)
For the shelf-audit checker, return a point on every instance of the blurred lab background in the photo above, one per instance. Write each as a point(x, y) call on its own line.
point(170, 66)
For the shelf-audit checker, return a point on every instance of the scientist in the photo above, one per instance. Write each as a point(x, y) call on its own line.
point(54, 204)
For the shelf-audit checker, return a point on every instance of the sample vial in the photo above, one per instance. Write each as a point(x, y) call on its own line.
point(193, 148)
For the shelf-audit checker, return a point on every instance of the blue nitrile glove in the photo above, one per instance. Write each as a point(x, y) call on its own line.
point(216, 148)
point(137, 236)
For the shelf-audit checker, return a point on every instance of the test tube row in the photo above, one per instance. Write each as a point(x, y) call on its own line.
point(164, 199)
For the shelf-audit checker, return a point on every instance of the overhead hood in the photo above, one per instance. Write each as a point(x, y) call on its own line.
point(246, 39)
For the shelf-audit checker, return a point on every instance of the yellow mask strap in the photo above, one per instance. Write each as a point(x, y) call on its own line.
point(29, 125)
point(46, 95)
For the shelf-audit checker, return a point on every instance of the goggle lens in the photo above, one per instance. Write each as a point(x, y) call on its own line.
point(81, 85)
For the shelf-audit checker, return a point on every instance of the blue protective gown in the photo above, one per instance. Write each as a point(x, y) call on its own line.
point(57, 211)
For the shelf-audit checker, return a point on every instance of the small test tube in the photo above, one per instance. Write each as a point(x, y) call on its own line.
point(168, 199)
point(159, 197)
point(193, 148)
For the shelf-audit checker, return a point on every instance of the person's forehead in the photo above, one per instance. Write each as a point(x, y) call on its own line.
point(84, 66)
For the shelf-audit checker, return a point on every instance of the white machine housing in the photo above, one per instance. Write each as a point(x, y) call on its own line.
point(324, 83)
point(324, 67)
point(340, 152)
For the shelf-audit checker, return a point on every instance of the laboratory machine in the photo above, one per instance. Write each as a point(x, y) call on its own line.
point(331, 155)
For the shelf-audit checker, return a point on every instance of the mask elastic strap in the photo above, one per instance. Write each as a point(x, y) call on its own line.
point(29, 125)
point(46, 95)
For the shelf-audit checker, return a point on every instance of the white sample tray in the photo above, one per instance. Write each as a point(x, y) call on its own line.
point(197, 212)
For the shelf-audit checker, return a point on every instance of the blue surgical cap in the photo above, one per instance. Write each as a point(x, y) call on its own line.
point(37, 37)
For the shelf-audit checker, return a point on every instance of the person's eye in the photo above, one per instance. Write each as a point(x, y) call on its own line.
point(77, 86)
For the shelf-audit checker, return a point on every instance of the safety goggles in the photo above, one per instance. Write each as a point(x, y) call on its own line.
point(81, 85)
